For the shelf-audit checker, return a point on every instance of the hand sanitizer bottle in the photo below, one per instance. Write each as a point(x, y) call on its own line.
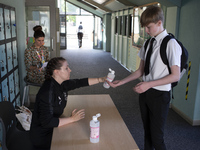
point(110, 78)
point(94, 129)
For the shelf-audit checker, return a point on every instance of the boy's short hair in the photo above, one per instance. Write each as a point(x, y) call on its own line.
point(151, 15)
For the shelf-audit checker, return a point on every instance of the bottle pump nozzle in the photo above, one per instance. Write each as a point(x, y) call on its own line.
point(95, 117)
point(112, 71)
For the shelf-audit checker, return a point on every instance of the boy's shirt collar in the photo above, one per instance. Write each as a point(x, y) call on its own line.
point(161, 35)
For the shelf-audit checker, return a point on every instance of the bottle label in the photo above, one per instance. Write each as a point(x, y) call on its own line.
point(94, 132)
point(109, 79)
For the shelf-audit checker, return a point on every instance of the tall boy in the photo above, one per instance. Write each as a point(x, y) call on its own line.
point(154, 90)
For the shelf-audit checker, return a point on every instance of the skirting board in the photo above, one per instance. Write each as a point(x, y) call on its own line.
point(189, 120)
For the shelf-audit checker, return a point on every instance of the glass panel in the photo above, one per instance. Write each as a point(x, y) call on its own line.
point(39, 15)
point(71, 9)
point(61, 6)
point(98, 33)
point(120, 25)
point(62, 14)
point(125, 25)
point(83, 12)
point(116, 25)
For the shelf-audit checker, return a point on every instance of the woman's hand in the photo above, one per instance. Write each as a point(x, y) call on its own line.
point(102, 79)
point(77, 115)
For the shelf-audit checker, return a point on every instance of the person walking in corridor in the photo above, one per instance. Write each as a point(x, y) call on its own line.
point(80, 34)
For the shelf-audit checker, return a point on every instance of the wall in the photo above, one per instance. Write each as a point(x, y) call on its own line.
point(21, 36)
point(121, 45)
point(171, 20)
point(189, 35)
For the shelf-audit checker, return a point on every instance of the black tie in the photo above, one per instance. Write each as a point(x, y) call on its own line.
point(147, 62)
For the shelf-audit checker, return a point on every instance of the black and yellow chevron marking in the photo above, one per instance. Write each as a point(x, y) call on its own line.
point(188, 79)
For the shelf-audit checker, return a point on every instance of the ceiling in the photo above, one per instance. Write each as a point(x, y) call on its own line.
point(109, 6)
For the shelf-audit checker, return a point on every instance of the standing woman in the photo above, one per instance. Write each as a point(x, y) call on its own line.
point(35, 57)
point(51, 101)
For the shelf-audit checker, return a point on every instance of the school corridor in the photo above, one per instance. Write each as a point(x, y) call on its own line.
point(112, 39)
point(179, 134)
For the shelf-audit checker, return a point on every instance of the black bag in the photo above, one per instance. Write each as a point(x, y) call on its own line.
point(163, 47)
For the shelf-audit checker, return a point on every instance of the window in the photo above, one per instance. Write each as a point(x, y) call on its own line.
point(71, 9)
point(120, 25)
point(116, 26)
point(83, 12)
point(130, 25)
point(125, 33)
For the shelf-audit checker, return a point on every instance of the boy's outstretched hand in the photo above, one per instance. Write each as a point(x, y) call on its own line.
point(113, 84)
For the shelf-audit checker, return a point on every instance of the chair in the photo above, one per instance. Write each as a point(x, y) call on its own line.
point(2, 136)
point(26, 90)
point(15, 138)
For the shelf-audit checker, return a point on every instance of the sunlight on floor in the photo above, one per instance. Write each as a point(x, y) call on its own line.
point(73, 44)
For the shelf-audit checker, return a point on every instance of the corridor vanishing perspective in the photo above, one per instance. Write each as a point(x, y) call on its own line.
point(93, 63)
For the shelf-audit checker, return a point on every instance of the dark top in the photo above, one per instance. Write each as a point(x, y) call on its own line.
point(80, 27)
point(49, 106)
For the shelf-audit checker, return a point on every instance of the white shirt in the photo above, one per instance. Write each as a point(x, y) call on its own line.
point(157, 68)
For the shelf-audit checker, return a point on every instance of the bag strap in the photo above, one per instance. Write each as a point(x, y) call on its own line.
point(163, 48)
point(163, 55)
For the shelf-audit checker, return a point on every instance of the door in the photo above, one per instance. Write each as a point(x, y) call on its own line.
point(63, 40)
point(38, 16)
point(44, 12)
point(98, 33)
point(62, 14)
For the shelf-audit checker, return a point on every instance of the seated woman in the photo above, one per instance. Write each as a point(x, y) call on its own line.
point(51, 101)
point(35, 56)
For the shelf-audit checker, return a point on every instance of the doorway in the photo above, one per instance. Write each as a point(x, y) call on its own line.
point(38, 15)
point(72, 30)
point(70, 18)
point(44, 13)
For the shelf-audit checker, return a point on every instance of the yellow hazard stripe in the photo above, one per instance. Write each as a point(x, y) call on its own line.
point(188, 79)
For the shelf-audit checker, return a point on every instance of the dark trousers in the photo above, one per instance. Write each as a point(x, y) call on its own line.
point(154, 106)
point(80, 35)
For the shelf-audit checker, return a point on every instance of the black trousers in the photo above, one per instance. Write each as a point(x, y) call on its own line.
point(80, 35)
point(154, 106)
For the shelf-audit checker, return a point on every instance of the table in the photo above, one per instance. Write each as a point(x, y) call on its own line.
point(114, 135)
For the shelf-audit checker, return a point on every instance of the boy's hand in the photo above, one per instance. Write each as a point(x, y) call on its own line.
point(113, 84)
point(141, 87)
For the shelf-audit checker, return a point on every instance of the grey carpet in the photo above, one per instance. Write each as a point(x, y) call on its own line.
point(179, 135)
